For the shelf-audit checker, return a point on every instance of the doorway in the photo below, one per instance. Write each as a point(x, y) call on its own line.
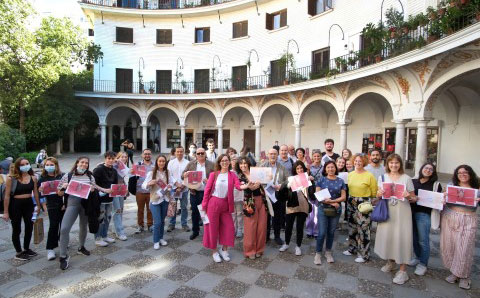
point(249, 139)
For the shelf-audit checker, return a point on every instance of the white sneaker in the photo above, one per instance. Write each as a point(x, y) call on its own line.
point(329, 256)
point(298, 251)
point(413, 262)
point(318, 259)
point(224, 255)
point(51, 254)
point(360, 260)
point(163, 242)
point(109, 240)
point(100, 242)
point(156, 246)
point(400, 278)
point(284, 247)
point(122, 237)
point(420, 270)
point(216, 257)
point(389, 267)
point(347, 253)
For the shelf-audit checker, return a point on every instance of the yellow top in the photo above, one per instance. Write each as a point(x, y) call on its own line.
point(362, 185)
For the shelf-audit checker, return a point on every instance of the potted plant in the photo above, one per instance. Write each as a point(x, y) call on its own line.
point(434, 31)
point(432, 13)
point(421, 19)
point(184, 86)
point(152, 87)
point(352, 60)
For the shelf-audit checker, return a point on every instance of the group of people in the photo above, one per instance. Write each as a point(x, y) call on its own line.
point(229, 204)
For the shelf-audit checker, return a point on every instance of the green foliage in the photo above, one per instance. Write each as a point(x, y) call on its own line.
point(12, 142)
point(31, 156)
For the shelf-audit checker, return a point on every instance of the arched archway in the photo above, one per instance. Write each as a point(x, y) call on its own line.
point(319, 121)
point(122, 123)
point(239, 124)
point(87, 132)
point(203, 124)
point(166, 130)
point(277, 122)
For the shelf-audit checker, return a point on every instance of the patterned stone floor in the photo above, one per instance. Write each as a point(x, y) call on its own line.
point(133, 268)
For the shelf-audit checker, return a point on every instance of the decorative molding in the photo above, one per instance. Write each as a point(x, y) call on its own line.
point(403, 83)
point(422, 68)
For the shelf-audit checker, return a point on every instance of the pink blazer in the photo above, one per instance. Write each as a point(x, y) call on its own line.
point(210, 187)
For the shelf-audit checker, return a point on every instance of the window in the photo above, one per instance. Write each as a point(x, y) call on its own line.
point(202, 35)
point(240, 29)
point(202, 80)
point(239, 77)
point(173, 138)
point(90, 32)
point(124, 35)
point(276, 20)
point(164, 81)
point(164, 36)
point(124, 79)
point(320, 60)
point(318, 6)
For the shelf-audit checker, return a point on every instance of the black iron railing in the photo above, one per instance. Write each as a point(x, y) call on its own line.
point(399, 41)
point(155, 4)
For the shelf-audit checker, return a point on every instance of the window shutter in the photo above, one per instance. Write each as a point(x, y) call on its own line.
point(129, 35)
point(269, 21)
point(235, 30)
point(326, 58)
point(245, 28)
point(117, 36)
point(159, 36)
point(311, 7)
point(168, 36)
point(283, 18)
point(206, 35)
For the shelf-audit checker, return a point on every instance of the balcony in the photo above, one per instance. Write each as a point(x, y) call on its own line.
point(392, 43)
point(155, 4)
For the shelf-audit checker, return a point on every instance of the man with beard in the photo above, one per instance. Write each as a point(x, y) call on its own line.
point(375, 167)
point(143, 195)
point(328, 154)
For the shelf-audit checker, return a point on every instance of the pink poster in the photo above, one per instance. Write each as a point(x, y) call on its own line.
point(140, 170)
point(461, 195)
point(118, 190)
point(78, 189)
point(195, 177)
point(307, 156)
point(263, 156)
point(300, 181)
point(393, 190)
point(49, 187)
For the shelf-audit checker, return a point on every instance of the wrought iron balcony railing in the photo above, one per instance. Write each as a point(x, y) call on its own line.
point(155, 4)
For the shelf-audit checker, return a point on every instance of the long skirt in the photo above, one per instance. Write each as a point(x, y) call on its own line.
point(255, 230)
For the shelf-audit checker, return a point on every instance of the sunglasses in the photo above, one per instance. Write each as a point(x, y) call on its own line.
point(200, 153)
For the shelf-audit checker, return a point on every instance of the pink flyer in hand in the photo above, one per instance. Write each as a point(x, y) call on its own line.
point(118, 190)
point(78, 189)
point(49, 187)
point(140, 170)
point(195, 177)
point(393, 190)
point(461, 195)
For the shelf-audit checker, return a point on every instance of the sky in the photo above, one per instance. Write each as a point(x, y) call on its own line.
point(60, 8)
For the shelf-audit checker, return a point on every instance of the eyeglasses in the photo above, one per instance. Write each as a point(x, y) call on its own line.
point(224, 161)
point(463, 173)
point(428, 169)
point(200, 153)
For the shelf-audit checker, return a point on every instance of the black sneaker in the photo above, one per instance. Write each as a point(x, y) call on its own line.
point(170, 228)
point(278, 241)
point(64, 262)
point(193, 236)
point(30, 253)
point(21, 256)
point(83, 251)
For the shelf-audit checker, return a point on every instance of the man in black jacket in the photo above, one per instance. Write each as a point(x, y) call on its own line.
point(105, 175)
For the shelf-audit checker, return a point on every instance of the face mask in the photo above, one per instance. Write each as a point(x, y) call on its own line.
point(81, 170)
point(193, 150)
point(25, 168)
point(50, 169)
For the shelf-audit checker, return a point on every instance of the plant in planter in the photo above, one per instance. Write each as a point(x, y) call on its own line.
point(341, 63)
point(432, 13)
point(286, 61)
point(352, 60)
point(421, 19)
point(434, 31)
point(375, 35)
point(152, 87)
point(183, 83)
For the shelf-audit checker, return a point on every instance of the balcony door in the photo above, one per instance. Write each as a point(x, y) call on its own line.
point(124, 80)
point(202, 78)
point(239, 77)
point(164, 81)
point(278, 73)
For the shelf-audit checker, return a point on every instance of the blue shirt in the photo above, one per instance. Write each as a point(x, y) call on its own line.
point(334, 186)
point(316, 172)
point(287, 164)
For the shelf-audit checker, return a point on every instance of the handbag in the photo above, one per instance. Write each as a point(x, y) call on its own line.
point(172, 208)
point(329, 210)
point(38, 232)
point(365, 207)
point(380, 212)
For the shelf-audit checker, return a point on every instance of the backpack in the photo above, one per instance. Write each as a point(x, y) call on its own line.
point(132, 183)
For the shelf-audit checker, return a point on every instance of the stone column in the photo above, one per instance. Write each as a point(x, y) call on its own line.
point(110, 138)
point(220, 139)
point(59, 147)
point(144, 136)
point(400, 138)
point(298, 135)
point(103, 138)
point(134, 137)
point(122, 136)
point(343, 134)
point(182, 136)
point(421, 148)
point(72, 141)
point(258, 142)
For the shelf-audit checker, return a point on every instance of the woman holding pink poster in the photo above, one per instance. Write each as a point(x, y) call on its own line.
point(394, 238)
point(458, 230)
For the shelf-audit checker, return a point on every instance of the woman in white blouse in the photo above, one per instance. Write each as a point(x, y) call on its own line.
point(157, 182)
point(218, 203)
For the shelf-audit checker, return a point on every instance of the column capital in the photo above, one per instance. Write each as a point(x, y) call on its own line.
point(422, 120)
point(344, 122)
point(219, 126)
point(182, 126)
point(401, 121)
point(144, 125)
point(258, 126)
point(298, 125)
point(102, 124)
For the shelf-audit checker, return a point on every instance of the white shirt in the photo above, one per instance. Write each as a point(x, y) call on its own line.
point(204, 175)
point(221, 186)
point(212, 156)
point(176, 168)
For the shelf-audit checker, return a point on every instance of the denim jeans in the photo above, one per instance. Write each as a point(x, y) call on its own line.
point(117, 214)
point(195, 200)
point(104, 218)
point(183, 207)
point(326, 227)
point(421, 236)
point(159, 212)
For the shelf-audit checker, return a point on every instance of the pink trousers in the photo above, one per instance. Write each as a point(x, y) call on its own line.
point(220, 228)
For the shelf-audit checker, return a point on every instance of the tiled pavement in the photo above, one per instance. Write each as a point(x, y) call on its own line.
point(133, 268)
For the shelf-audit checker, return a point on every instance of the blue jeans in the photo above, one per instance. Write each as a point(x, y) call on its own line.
point(104, 218)
point(183, 208)
point(117, 214)
point(159, 212)
point(421, 236)
point(326, 226)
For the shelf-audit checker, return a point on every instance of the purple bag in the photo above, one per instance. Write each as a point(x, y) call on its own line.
point(380, 212)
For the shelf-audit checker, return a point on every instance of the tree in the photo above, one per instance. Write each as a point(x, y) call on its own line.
point(33, 61)
point(12, 142)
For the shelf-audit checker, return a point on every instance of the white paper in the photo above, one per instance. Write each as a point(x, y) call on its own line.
point(430, 199)
point(203, 215)
point(343, 176)
point(261, 174)
point(270, 191)
point(323, 194)
point(162, 191)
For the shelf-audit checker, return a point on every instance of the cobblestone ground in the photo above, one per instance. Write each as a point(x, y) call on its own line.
point(133, 268)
